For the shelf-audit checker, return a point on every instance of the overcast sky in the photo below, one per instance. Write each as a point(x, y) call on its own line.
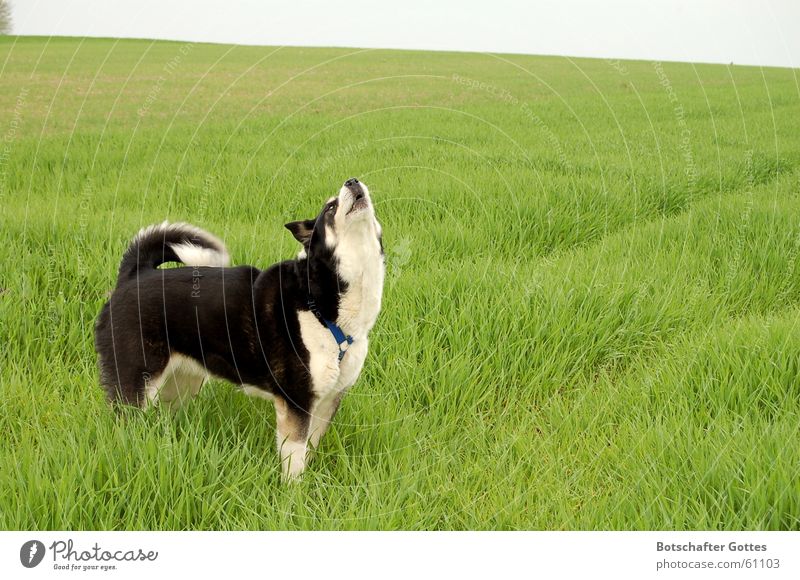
point(762, 32)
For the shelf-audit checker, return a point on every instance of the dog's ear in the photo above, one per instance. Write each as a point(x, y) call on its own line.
point(301, 230)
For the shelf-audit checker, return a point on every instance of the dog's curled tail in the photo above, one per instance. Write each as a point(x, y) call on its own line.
point(166, 242)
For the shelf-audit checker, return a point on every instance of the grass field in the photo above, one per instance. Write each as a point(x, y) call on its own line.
point(592, 311)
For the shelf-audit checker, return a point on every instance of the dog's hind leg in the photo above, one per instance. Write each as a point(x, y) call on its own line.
point(125, 369)
point(126, 381)
point(127, 385)
point(292, 433)
point(180, 381)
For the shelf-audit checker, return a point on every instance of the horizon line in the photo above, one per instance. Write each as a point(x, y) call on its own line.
point(396, 49)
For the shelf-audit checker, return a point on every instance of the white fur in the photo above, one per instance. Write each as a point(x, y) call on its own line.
point(180, 380)
point(293, 453)
point(330, 237)
point(293, 457)
point(322, 416)
point(252, 391)
point(192, 255)
point(361, 266)
point(323, 364)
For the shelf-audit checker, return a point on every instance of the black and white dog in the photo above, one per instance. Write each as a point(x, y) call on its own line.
point(295, 333)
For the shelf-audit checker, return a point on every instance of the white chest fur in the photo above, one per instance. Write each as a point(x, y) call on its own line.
point(360, 264)
point(327, 372)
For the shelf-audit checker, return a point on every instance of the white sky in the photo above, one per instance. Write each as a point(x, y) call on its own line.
point(761, 32)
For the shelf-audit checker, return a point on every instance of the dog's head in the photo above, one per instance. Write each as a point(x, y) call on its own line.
point(346, 221)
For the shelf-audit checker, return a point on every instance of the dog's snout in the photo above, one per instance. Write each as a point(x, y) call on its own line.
point(355, 188)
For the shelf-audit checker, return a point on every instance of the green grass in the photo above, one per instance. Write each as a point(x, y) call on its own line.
point(592, 303)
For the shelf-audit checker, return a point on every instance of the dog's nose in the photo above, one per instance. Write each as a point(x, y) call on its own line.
point(351, 182)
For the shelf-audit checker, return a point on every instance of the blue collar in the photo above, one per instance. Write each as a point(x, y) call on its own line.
point(338, 334)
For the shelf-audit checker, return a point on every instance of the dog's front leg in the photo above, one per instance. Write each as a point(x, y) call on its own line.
point(292, 434)
point(324, 412)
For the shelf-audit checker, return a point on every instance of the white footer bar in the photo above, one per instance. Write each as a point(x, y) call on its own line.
point(380, 555)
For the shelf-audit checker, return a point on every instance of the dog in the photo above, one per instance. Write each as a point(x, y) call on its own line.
point(295, 333)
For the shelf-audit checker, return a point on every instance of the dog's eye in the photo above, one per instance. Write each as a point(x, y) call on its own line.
point(329, 208)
